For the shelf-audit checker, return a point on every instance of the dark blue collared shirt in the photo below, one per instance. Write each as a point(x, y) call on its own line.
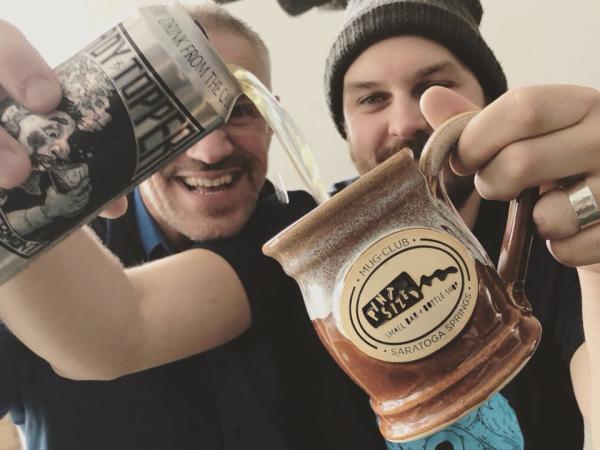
point(238, 379)
point(153, 241)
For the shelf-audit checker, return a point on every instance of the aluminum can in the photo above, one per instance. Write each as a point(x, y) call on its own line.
point(134, 99)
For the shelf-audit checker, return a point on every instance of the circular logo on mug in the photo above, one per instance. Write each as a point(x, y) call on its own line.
point(408, 295)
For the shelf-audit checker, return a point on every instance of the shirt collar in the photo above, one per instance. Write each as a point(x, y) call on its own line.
point(152, 238)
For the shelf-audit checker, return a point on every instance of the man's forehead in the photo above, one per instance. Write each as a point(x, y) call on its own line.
point(236, 48)
point(406, 51)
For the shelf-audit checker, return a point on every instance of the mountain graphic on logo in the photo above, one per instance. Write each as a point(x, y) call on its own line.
point(399, 295)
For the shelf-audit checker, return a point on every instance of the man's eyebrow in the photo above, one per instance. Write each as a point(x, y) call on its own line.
point(60, 120)
point(421, 73)
point(361, 85)
point(435, 68)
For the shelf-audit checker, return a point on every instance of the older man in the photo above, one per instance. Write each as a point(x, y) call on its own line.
point(249, 371)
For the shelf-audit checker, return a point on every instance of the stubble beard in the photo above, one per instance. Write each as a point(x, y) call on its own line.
point(384, 153)
point(206, 223)
point(457, 188)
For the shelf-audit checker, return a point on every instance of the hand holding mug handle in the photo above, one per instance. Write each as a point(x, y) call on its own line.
point(518, 234)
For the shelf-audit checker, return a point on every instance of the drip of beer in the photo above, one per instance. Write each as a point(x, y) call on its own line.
point(285, 129)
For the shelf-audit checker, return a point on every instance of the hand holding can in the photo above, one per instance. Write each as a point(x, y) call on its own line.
point(132, 100)
point(25, 77)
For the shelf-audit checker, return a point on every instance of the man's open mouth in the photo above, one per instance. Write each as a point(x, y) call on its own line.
point(41, 162)
point(209, 185)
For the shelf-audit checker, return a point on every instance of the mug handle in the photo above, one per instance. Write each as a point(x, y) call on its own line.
point(518, 234)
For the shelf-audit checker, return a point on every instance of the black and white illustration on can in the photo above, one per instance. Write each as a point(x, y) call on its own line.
point(115, 123)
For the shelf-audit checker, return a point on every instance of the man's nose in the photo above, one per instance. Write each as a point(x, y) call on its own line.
point(211, 149)
point(60, 150)
point(405, 119)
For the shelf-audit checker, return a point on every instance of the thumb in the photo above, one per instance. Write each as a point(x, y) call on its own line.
point(439, 104)
point(15, 165)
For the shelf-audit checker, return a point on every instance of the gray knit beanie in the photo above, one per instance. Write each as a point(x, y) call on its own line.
point(452, 23)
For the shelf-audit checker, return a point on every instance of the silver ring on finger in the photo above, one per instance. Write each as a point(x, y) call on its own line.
point(584, 204)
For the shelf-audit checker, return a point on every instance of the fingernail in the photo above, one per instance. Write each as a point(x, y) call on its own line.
point(42, 94)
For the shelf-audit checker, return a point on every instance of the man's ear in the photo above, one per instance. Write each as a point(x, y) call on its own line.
point(345, 127)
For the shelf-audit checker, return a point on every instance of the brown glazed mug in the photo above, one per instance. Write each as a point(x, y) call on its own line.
point(404, 297)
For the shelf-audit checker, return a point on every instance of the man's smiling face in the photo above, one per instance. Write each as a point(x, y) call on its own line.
point(382, 90)
point(210, 191)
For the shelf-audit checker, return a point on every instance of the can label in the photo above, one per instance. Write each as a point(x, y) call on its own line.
point(117, 122)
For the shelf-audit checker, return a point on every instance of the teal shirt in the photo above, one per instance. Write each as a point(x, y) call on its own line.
point(492, 426)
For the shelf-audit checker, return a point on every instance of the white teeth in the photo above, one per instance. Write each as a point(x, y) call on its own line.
point(207, 182)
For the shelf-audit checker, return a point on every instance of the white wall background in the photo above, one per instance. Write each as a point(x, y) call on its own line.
point(537, 41)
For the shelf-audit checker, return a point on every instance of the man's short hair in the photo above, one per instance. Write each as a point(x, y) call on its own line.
point(11, 117)
point(217, 18)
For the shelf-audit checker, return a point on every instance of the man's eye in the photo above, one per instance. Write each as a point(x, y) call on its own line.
point(372, 99)
point(53, 131)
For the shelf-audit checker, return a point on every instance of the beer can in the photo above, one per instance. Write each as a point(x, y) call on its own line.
point(133, 100)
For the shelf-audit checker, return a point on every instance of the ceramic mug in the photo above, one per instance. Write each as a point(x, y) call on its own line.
point(404, 297)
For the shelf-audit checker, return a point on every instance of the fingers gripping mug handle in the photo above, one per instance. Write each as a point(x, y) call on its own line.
point(518, 234)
